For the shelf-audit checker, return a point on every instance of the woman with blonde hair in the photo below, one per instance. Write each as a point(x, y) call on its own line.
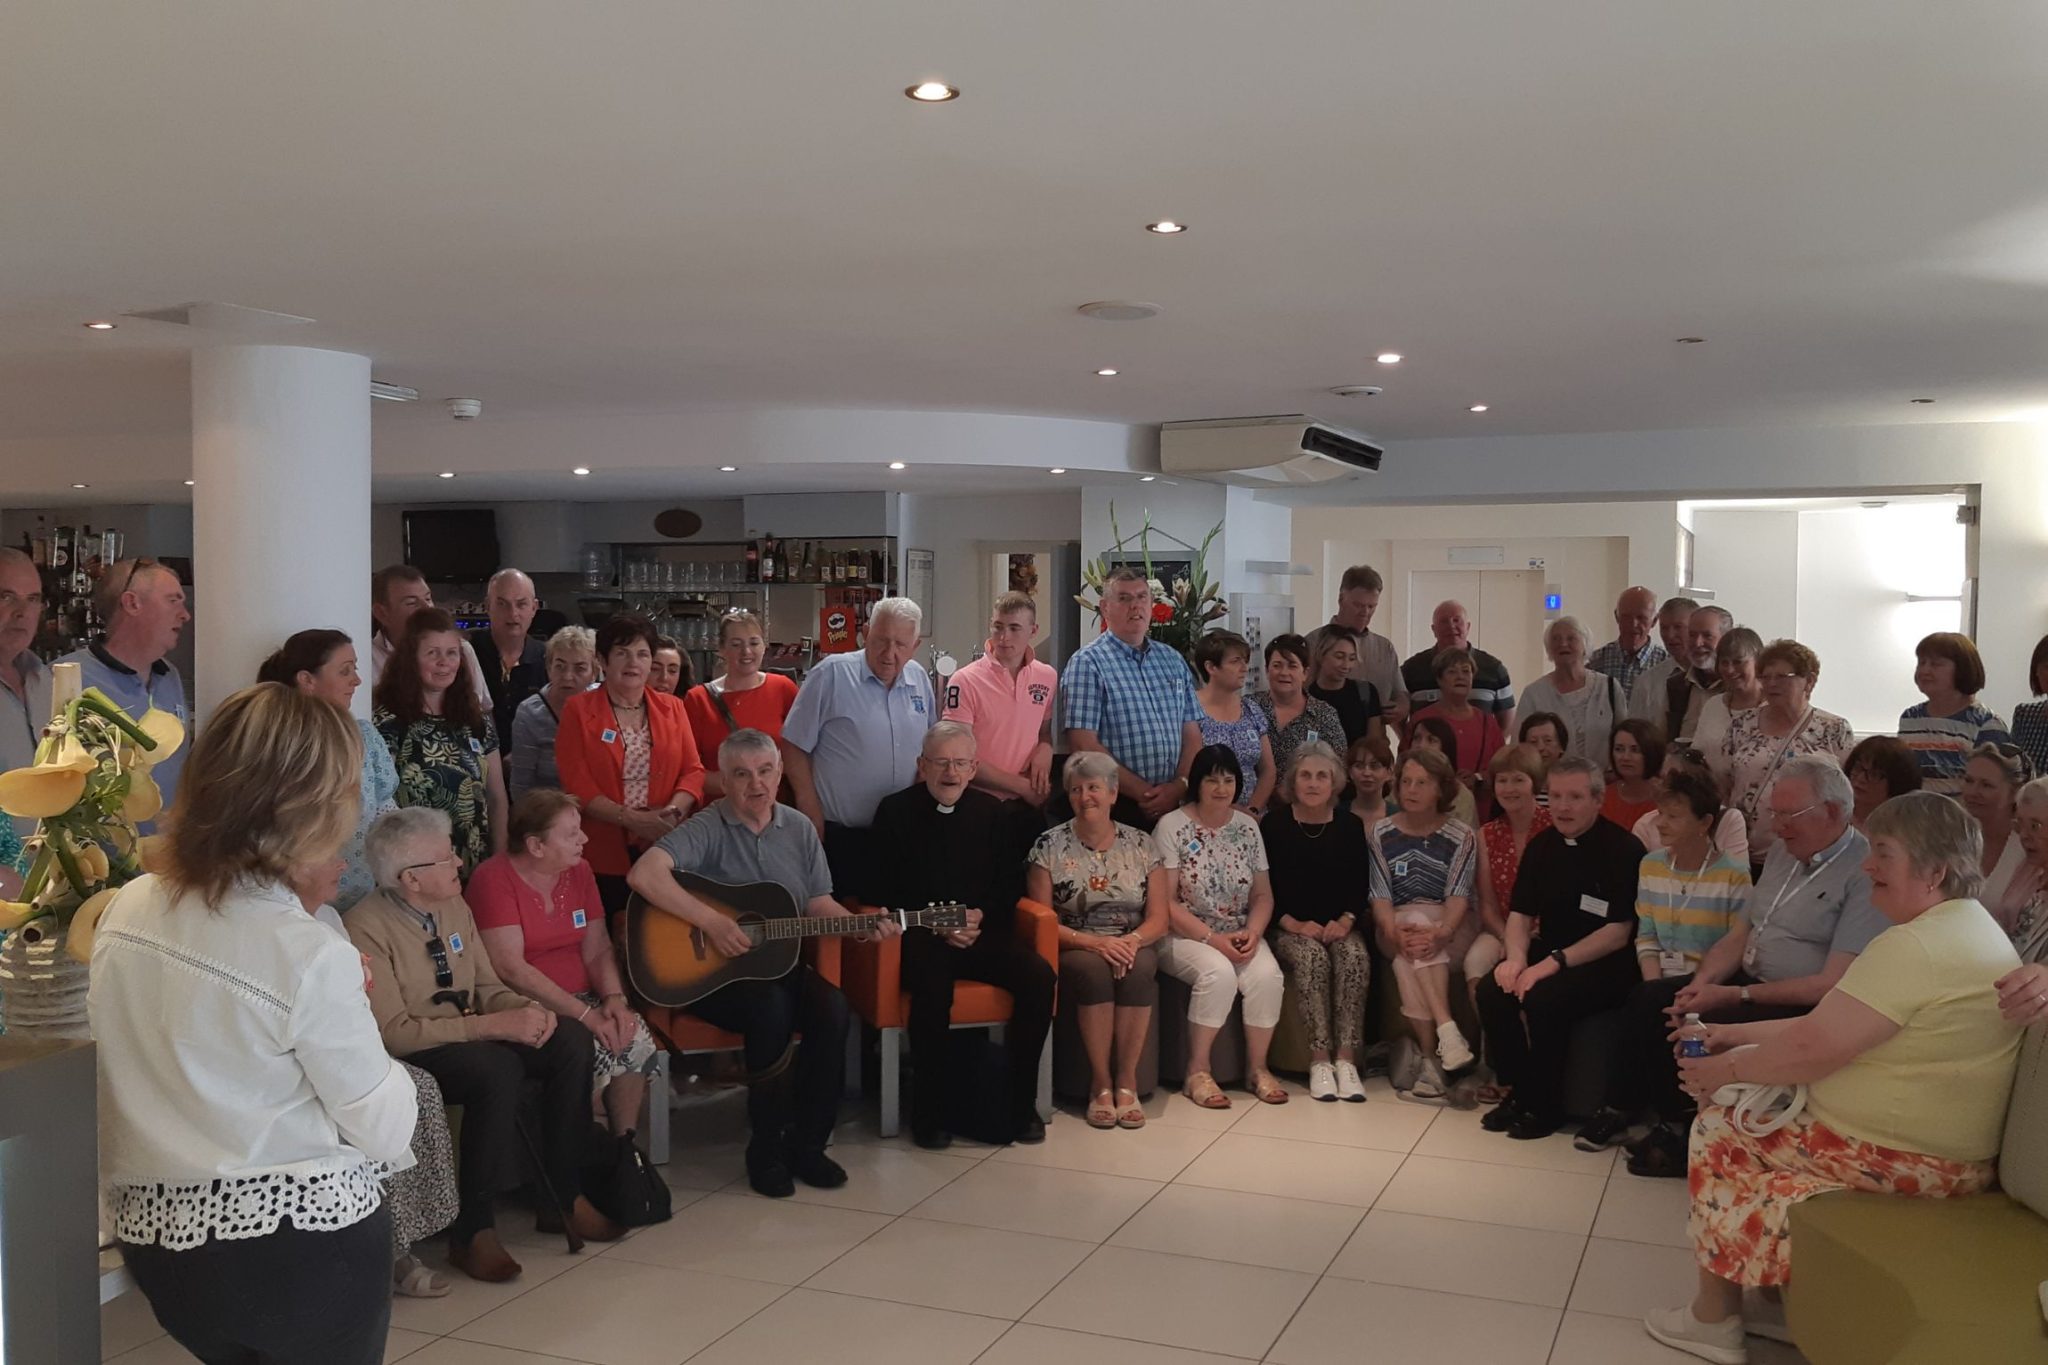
point(742, 697)
point(1319, 865)
point(249, 1111)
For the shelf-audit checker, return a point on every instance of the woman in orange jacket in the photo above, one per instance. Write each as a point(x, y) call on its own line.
point(625, 751)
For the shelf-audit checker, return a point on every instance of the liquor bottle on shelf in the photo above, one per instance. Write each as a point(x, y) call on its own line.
point(753, 561)
point(768, 559)
point(835, 566)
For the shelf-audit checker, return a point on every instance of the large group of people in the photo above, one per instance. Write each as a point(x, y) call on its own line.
point(1674, 830)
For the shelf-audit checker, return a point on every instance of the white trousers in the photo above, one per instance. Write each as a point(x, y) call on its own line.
point(1217, 981)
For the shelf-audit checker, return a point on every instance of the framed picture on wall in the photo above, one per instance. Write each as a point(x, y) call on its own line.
point(1165, 568)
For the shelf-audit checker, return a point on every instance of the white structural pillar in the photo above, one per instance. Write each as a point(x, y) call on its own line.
point(280, 507)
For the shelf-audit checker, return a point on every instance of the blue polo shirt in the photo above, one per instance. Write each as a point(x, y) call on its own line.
point(135, 693)
point(1135, 700)
point(863, 737)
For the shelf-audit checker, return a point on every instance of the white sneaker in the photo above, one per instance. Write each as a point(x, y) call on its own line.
point(1322, 1081)
point(1720, 1342)
point(1452, 1049)
point(1349, 1085)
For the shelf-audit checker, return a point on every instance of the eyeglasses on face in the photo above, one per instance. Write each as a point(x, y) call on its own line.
point(1787, 817)
point(452, 860)
point(141, 563)
point(953, 765)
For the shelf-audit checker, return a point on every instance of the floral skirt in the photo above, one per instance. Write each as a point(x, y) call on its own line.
point(1743, 1187)
point(422, 1197)
point(636, 1060)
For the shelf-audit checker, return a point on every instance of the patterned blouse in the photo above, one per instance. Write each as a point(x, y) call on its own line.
point(1754, 759)
point(1412, 869)
point(1242, 737)
point(2030, 732)
point(1217, 866)
point(1503, 859)
point(441, 764)
point(639, 761)
point(1097, 893)
point(378, 794)
point(1318, 720)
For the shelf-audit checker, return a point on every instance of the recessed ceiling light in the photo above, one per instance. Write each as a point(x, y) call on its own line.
point(580, 470)
point(188, 483)
point(101, 326)
point(896, 464)
point(1055, 471)
point(80, 485)
point(447, 473)
point(728, 468)
point(1691, 341)
point(1920, 400)
point(1107, 373)
point(1477, 407)
point(1389, 357)
point(1147, 478)
point(1166, 227)
point(932, 92)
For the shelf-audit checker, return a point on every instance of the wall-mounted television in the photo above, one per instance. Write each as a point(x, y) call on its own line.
point(452, 545)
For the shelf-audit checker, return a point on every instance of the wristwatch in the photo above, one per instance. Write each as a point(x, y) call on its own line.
point(1557, 956)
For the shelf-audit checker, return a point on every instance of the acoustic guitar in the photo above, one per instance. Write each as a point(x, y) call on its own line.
point(672, 963)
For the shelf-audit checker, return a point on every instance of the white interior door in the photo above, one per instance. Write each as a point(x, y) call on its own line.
point(1426, 588)
point(1506, 607)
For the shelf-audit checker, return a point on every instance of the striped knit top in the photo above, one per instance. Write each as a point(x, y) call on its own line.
point(1427, 868)
point(1943, 743)
point(1687, 910)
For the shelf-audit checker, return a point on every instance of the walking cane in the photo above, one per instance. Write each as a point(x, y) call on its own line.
point(547, 1186)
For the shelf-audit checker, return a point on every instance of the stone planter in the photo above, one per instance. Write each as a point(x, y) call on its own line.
point(42, 991)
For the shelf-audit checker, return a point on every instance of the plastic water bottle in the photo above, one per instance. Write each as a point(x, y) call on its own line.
point(1692, 1039)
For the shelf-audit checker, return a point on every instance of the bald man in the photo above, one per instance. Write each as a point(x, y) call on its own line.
point(1634, 650)
point(1492, 689)
point(514, 664)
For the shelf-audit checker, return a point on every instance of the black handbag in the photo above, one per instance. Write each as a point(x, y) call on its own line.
point(620, 1182)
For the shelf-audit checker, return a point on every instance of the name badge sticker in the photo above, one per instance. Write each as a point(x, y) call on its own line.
point(476, 746)
point(1672, 964)
point(578, 918)
point(454, 943)
point(1593, 905)
point(608, 737)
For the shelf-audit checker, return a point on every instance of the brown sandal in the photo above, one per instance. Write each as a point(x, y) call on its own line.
point(1101, 1112)
point(1131, 1115)
point(1201, 1088)
point(1268, 1090)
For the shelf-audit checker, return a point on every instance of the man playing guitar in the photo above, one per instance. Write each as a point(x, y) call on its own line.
point(747, 837)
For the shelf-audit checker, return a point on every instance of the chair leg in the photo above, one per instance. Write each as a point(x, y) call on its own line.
point(1045, 1083)
point(657, 1111)
point(856, 1040)
point(891, 1049)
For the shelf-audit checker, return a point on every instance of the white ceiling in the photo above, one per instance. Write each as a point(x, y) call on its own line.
point(648, 206)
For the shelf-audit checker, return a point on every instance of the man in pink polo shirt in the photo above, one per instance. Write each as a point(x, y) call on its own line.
point(1006, 698)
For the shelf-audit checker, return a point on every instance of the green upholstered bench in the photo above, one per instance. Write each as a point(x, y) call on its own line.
point(1882, 1280)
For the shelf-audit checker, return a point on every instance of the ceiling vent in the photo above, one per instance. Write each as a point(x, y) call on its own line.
point(223, 317)
point(1265, 452)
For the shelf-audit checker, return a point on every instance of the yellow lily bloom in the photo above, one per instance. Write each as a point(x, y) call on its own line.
point(47, 789)
point(92, 862)
point(14, 914)
point(163, 727)
point(79, 941)
point(144, 799)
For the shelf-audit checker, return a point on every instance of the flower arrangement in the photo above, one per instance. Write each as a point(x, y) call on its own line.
point(88, 788)
point(1182, 609)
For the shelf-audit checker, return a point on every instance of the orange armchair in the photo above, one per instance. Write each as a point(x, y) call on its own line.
point(872, 979)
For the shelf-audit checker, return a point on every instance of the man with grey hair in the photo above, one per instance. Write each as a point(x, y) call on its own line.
point(945, 840)
point(514, 664)
point(1808, 916)
point(745, 836)
point(1134, 699)
point(24, 678)
point(1671, 698)
point(1634, 649)
point(441, 1005)
point(854, 736)
point(142, 602)
point(1570, 931)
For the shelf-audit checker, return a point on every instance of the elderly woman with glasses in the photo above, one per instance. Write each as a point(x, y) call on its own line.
point(1761, 742)
point(440, 1004)
point(1908, 1067)
point(1589, 702)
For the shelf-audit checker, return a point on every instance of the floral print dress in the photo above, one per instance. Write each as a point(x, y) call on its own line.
point(441, 765)
point(1097, 892)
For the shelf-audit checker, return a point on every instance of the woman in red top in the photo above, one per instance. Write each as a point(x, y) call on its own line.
point(536, 906)
point(626, 752)
point(1515, 772)
point(757, 700)
point(1477, 730)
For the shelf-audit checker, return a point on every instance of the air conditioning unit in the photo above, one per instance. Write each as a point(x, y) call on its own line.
point(1265, 452)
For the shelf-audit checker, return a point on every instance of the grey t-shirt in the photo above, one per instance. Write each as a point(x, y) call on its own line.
point(1799, 912)
point(721, 846)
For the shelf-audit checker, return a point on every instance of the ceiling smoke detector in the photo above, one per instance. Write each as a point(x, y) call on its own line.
point(465, 409)
point(1358, 390)
point(1120, 310)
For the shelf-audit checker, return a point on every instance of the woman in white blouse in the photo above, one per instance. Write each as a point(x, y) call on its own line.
point(1590, 703)
point(248, 1109)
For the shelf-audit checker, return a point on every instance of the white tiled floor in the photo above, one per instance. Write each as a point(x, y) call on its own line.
point(1303, 1234)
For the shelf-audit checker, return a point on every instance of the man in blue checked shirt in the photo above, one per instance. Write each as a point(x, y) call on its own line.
point(1134, 699)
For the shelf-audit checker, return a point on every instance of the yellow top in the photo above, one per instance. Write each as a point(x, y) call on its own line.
point(1938, 1086)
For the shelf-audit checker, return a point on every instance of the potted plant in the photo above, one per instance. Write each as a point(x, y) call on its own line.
point(1181, 609)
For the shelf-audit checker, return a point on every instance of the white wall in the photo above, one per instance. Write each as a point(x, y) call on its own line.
point(956, 529)
point(1856, 566)
point(1751, 559)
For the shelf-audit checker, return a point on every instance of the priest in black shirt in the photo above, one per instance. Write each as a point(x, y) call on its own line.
point(945, 840)
point(1570, 931)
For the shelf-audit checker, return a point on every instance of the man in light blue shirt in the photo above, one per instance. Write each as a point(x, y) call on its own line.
point(143, 604)
point(854, 736)
point(1134, 699)
point(24, 679)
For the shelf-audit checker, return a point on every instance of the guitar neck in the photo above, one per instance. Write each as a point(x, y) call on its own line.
point(811, 926)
